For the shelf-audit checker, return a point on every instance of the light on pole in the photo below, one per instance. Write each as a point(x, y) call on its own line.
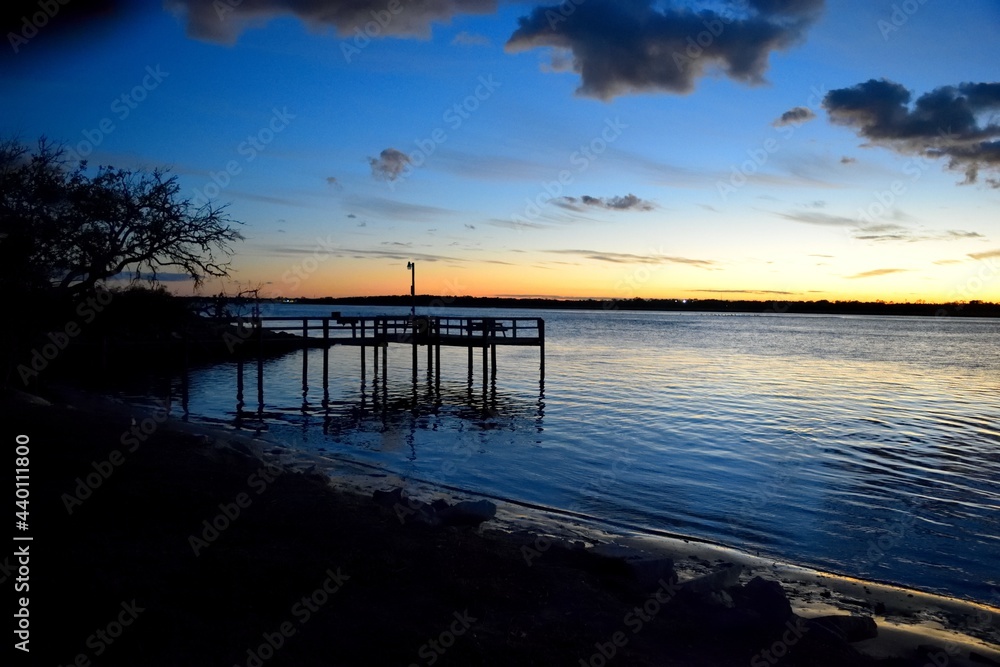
point(413, 288)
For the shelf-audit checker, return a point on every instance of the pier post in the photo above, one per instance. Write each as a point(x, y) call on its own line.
point(413, 339)
point(260, 366)
point(326, 359)
point(239, 384)
point(375, 351)
point(429, 340)
point(437, 353)
point(541, 348)
point(362, 352)
point(493, 350)
point(305, 360)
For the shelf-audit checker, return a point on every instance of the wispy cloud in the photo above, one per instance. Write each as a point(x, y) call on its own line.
point(818, 218)
point(876, 272)
point(466, 38)
point(627, 202)
point(491, 167)
point(398, 210)
point(629, 258)
point(389, 253)
point(517, 225)
point(985, 255)
point(744, 291)
point(265, 199)
point(880, 231)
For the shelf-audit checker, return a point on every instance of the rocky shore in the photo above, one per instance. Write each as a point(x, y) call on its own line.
point(155, 542)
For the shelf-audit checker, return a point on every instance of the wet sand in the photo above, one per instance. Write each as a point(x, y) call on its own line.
point(164, 543)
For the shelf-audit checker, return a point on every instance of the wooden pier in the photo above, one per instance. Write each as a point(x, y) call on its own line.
point(263, 336)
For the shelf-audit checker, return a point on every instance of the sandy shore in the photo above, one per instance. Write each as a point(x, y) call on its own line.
point(158, 542)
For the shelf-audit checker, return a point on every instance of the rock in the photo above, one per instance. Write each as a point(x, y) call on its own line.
point(388, 498)
point(438, 513)
point(721, 599)
point(439, 504)
point(467, 513)
point(719, 580)
point(648, 572)
point(981, 659)
point(848, 628)
point(767, 599)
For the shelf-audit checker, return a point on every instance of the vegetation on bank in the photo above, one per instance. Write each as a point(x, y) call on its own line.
point(69, 233)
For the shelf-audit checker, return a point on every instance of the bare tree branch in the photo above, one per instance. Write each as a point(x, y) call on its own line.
point(71, 230)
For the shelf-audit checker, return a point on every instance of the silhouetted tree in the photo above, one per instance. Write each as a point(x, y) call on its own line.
point(63, 229)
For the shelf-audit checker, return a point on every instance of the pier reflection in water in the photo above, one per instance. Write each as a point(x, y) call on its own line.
point(275, 346)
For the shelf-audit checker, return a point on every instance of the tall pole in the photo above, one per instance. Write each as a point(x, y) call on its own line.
point(413, 288)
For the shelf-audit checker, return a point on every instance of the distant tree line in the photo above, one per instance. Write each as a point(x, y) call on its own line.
point(823, 306)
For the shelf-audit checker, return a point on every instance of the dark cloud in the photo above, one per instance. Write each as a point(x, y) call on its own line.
point(876, 272)
point(628, 46)
point(795, 116)
point(224, 20)
point(389, 164)
point(948, 123)
point(848, 160)
point(989, 254)
point(627, 203)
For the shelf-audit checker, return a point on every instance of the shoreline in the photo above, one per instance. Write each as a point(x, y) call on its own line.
point(906, 619)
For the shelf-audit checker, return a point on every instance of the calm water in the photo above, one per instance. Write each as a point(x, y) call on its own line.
point(866, 446)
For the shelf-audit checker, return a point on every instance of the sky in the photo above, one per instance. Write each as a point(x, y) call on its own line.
point(740, 149)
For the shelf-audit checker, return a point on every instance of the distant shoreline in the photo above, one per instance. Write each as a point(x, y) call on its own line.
point(821, 307)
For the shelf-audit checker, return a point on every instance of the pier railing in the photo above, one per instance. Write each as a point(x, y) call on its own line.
point(422, 330)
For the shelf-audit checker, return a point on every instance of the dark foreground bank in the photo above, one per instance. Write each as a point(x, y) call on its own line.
point(155, 545)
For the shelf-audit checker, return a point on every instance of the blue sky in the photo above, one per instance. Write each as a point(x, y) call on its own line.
point(575, 159)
